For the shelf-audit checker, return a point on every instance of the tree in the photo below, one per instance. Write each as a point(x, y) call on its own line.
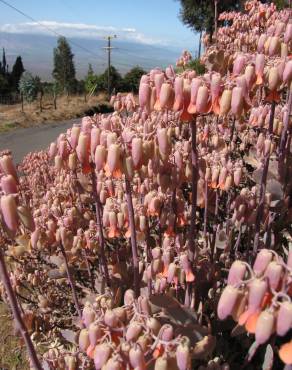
point(4, 85)
point(16, 73)
point(199, 14)
point(29, 86)
point(91, 80)
point(64, 69)
point(3, 64)
point(116, 79)
point(131, 79)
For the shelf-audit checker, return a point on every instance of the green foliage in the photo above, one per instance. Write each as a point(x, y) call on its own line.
point(64, 69)
point(17, 71)
point(4, 85)
point(91, 80)
point(281, 4)
point(29, 86)
point(116, 80)
point(199, 14)
point(196, 65)
point(97, 83)
point(131, 79)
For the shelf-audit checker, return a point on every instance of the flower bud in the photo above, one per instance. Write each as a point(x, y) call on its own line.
point(82, 148)
point(9, 212)
point(257, 290)
point(274, 46)
point(136, 357)
point(8, 184)
point(161, 363)
point(100, 157)
point(225, 102)
point(94, 333)
point(113, 157)
point(133, 332)
point(284, 318)
point(25, 217)
point(137, 151)
point(129, 297)
point(74, 136)
point(227, 302)
point(262, 260)
point(273, 79)
point(274, 274)
point(110, 319)
point(183, 357)
point(72, 161)
point(83, 340)
point(237, 101)
point(202, 99)
point(88, 315)
point(264, 327)
point(236, 273)
point(102, 353)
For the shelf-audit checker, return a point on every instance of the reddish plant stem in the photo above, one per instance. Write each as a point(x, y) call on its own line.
point(206, 210)
point(98, 213)
point(174, 208)
point(192, 245)
point(71, 282)
point(232, 130)
point(90, 275)
point(148, 254)
point(133, 237)
point(16, 313)
point(285, 130)
point(263, 184)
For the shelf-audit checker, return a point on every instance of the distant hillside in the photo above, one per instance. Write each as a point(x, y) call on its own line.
point(37, 54)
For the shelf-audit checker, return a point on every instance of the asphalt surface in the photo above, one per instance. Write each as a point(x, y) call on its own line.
point(31, 139)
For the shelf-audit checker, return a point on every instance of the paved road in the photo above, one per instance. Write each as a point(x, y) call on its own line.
point(25, 140)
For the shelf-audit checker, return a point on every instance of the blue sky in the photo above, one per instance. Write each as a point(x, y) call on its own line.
point(153, 22)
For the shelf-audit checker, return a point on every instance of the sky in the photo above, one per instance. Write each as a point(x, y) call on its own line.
point(151, 22)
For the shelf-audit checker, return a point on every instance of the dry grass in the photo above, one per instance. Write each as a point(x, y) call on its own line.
point(12, 353)
point(12, 117)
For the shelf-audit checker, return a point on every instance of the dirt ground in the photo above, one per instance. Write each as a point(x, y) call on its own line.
point(12, 353)
point(12, 117)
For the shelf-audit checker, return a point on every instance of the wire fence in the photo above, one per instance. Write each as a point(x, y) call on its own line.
point(10, 99)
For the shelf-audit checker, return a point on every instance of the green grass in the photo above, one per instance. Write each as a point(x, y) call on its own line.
point(7, 126)
point(12, 353)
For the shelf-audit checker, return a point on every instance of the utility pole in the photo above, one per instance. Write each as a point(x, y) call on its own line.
point(109, 49)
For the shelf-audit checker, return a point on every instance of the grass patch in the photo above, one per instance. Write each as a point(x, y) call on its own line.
point(12, 353)
point(7, 126)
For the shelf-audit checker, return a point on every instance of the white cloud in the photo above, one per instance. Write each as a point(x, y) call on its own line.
point(79, 30)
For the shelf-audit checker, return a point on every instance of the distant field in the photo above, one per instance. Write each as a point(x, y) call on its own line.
point(11, 116)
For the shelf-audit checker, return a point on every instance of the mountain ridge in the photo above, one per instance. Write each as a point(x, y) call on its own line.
point(37, 54)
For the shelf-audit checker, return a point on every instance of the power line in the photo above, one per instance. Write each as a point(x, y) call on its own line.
point(109, 49)
point(47, 28)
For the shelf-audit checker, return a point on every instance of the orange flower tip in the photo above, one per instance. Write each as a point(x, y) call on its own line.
point(158, 351)
point(90, 351)
point(259, 80)
point(190, 277)
point(214, 185)
point(285, 353)
point(251, 322)
point(169, 232)
point(243, 317)
point(117, 174)
point(86, 169)
point(273, 96)
point(192, 109)
point(165, 271)
point(113, 233)
point(157, 105)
